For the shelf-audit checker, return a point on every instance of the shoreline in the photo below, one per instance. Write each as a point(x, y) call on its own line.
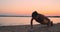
point(26, 28)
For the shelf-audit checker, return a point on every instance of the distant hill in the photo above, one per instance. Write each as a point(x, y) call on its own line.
point(13, 16)
point(53, 16)
point(21, 16)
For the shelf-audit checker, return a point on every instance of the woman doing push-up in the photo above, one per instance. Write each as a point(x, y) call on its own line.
point(42, 19)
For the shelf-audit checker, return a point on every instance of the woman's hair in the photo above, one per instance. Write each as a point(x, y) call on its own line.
point(34, 14)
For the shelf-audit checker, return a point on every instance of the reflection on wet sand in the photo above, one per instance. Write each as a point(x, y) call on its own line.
point(26, 28)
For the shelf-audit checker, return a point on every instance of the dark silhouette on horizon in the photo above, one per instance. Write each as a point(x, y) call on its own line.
point(40, 18)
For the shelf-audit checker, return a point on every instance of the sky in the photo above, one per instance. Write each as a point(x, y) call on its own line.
point(26, 7)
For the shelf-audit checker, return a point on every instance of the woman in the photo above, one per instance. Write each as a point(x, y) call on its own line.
point(40, 19)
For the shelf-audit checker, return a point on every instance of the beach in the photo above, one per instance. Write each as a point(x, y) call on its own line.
point(26, 28)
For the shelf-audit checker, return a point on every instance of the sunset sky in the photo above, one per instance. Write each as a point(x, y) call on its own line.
point(26, 7)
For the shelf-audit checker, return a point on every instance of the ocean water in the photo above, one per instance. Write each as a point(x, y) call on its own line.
point(5, 21)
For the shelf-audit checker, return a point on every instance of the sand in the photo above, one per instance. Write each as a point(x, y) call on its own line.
point(26, 28)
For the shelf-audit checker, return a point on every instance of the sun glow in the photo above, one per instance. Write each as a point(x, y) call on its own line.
point(47, 7)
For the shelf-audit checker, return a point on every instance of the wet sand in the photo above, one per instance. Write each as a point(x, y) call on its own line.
point(26, 28)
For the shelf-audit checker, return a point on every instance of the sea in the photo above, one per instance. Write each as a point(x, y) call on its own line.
point(8, 21)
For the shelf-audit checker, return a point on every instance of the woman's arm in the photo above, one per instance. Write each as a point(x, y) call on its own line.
point(31, 23)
